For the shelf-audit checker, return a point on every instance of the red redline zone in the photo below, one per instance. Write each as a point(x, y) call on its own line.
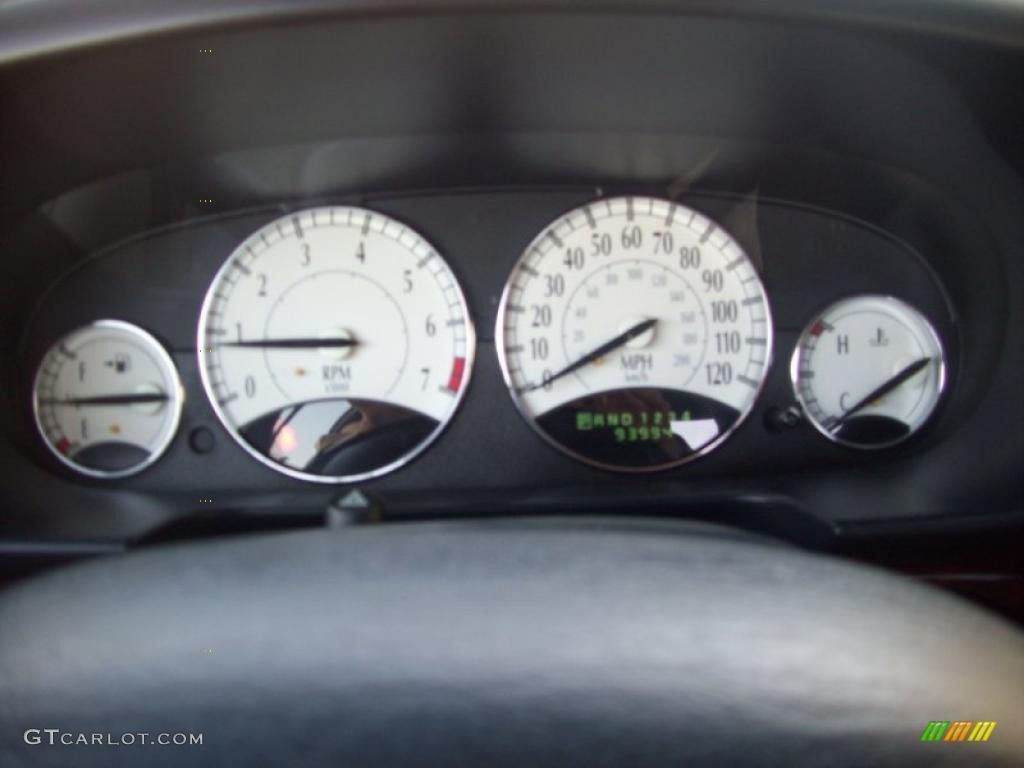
point(458, 371)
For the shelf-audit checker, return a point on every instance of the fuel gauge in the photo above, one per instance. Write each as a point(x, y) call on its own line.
point(107, 399)
point(869, 371)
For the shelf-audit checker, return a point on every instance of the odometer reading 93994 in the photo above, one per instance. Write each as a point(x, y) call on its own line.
point(634, 334)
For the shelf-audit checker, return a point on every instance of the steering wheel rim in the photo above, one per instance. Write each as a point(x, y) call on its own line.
point(528, 642)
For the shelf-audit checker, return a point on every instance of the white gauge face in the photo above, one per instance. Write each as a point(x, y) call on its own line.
point(107, 399)
point(634, 334)
point(868, 371)
point(335, 344)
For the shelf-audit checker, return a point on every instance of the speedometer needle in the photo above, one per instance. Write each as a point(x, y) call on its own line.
point(139, 399)
point(623, 338)
point(293, 343)
point(881, 391)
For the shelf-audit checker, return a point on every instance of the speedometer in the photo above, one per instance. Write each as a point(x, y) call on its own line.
point(335, 344)
point(634, 334)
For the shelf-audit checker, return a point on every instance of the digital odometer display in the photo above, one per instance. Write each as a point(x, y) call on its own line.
point(634, 333)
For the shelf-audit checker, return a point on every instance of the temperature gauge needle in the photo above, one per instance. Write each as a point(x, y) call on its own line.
point(882, 390)
point(609, 346)
point(138, 399)
point(293, 343)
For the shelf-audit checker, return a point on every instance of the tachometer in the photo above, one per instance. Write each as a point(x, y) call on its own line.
point(335, 344)
point(634, 334)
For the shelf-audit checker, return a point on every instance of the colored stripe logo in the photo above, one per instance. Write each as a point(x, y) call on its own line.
point(958, 730)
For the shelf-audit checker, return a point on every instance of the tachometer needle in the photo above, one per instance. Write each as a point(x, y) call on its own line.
point(138, 399)
point(881, 391)
point(609, 346)
point(293, 343)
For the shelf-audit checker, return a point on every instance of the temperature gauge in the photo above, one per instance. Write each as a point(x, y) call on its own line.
point(868, 371)
point(107, 399)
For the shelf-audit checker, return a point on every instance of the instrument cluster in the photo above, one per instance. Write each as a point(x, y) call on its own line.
point(633, 333)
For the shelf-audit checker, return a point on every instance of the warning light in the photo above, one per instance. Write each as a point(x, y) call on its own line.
point(286, 440)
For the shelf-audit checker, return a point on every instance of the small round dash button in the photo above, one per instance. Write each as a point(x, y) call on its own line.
point(201, 439)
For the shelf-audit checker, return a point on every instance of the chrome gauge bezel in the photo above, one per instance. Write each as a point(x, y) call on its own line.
point(176, 399)
point(941, 375)
point(232, 431)
point(501, 344)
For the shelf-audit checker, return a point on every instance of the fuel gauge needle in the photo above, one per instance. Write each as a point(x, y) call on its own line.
point(136, 399)
point(609, 346)
point(882, 390)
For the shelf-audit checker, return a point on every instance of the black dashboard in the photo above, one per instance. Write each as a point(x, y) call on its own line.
point(856, 157)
